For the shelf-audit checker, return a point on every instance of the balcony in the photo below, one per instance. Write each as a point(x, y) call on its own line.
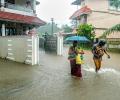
point(19, 7)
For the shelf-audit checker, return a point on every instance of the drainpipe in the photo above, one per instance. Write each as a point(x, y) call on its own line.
point(3, 29)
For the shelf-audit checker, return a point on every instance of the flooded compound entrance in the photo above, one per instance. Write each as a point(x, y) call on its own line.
point(51, 80)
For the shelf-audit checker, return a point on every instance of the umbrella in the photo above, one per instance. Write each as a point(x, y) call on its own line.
point(77, 38)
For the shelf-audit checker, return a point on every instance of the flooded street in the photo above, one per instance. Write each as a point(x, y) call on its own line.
point(51, 80)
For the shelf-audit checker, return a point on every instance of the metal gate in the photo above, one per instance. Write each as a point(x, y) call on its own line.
point(41, 43)
point(50, 43)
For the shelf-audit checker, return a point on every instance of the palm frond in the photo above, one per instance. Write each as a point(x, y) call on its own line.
point(115, 3)
point(115, 28)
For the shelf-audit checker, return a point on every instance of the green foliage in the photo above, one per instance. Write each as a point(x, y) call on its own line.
point(66, 28)
point(48, 29)
point(111, 30)
point(86, 30)
point(115, 3)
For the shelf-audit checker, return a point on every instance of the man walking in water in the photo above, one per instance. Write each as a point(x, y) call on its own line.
point(98, 51)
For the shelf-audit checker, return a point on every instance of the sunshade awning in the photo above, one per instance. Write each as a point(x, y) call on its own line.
point(6, 16)
point(83, 10)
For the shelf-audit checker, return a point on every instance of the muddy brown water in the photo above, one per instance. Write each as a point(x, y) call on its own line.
point(51, 80)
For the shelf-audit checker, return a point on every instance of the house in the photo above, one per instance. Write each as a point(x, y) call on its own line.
point(18, 23)
point(102, 14)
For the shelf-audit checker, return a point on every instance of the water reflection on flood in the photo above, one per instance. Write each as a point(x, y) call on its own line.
point(103, 70)
point(51, 80)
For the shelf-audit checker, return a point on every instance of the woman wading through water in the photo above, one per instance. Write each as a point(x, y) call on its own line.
point(74, 57)
point(98, 51)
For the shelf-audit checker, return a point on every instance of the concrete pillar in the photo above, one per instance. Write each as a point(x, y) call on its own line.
point(2, 3)
point(35, 50)
point(3, 29)
point(38, 57)
point(27, 31)
point(60, 45)
point(34, 6)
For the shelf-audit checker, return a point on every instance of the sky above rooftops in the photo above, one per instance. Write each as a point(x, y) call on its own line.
point(60, 10)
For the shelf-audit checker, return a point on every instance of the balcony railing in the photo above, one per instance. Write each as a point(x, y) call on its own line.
point(18, 7)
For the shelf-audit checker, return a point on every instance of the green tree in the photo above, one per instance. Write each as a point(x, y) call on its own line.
point(115, 3)
point(66, 28)
point(86, 30)
point(48, 28)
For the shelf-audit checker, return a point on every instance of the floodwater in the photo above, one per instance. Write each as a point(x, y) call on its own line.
point(51, 80)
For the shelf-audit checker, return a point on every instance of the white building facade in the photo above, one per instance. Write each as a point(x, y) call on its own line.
point(18, 39)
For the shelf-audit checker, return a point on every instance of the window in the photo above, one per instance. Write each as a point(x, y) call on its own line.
point(10, 31)
point(114, 5)
point(10, 1)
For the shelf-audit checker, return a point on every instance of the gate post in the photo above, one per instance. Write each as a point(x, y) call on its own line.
point(35, 50)
point(59, 44)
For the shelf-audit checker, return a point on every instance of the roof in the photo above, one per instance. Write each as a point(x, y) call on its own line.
point(37, 2)
point(83, 10)
point(33, 20)
point(77, 2)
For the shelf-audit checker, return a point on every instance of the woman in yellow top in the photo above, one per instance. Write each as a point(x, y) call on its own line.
point(73, 54)
point(98, 51)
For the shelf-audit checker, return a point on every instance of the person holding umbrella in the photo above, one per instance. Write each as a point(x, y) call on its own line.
point(76, 55)
point(75, 60)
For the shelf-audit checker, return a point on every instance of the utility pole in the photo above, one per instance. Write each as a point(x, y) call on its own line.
point(52, 20)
